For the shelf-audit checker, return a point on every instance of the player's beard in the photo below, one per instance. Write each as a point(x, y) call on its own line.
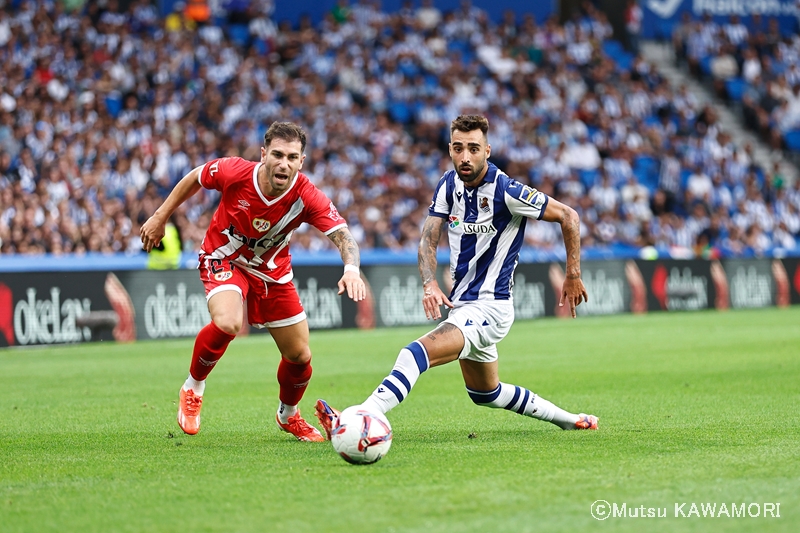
point(469, 176)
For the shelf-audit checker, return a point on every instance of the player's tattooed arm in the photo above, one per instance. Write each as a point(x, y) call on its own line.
point(347, 246)
point(571, 229)
point(573, 291)
point(351, 281)
point(426, 255)
point(432, 296)
point(570, 223)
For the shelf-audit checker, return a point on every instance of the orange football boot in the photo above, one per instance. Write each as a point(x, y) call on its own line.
point(586, 422)
point(301, 429)
point(189, 411)
point(328, 417)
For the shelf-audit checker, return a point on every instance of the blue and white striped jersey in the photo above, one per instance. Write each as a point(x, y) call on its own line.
point(486, 228)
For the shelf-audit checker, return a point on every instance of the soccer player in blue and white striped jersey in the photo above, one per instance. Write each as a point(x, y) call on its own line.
point(485, 213)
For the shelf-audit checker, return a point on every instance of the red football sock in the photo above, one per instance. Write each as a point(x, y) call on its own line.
point(209, 346)
point(293, 379)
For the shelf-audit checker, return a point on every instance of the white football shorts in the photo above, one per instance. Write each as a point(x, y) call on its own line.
point(484, 324)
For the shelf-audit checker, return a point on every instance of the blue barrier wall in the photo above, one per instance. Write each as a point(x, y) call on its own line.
point(292, 11)
point(316, 8)
point(94, 261)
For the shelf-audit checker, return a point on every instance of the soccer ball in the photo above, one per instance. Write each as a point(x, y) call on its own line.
point(361, 437)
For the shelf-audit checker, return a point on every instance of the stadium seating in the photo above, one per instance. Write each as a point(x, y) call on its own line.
point(792, 140)
point(239, 34)
point(735, 88)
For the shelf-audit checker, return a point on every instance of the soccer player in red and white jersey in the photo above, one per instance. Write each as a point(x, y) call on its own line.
point(245, 260)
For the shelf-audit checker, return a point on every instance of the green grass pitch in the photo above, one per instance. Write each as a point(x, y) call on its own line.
point(694, 407)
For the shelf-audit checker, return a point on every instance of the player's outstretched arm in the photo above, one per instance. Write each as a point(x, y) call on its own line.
point(154, 228)
point(351, 279)
point(432, 297)
point(573, 290)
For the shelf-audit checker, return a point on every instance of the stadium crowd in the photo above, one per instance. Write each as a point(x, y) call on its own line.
point(102, 111)
point(752, 63)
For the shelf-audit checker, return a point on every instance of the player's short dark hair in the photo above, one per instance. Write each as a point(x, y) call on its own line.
point(467, 123)
point(286, 131)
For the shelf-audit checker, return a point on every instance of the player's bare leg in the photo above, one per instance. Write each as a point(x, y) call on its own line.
point(294, 373)
point(486, 389)
point(226, 312)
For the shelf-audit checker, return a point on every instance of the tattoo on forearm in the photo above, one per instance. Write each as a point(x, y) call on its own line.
point(347, 246)
point(426, 255)
point(571, 228)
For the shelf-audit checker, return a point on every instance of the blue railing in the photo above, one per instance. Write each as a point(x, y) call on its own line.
point(97, 261)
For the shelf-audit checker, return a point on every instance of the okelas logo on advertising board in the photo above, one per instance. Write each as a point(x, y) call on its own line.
point(750, 282)
point(178, 314)
point(678, 285)
point(400, 303)
point(398, 295)
point(529, 298)
point(605, 282)
point(612, 287)
point(168, 303)
point(50, 320)
point(323, 305)
point(325, 308)
point(56, 308)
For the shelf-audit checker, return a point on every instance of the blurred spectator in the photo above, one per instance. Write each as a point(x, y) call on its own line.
point(724, 67)
point(198, 11)
point(428, 15)
point(699, 186)
point(633, 24)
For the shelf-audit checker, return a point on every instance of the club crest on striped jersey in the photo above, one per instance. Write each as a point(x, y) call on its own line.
point(261, 225)
point(484, 204)
point(454, 221)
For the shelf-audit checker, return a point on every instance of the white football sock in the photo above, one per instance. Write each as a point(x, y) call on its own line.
point(524, 402)
point(410, 363)
point(198, 387)
point(286, 411)
point(550, 412)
